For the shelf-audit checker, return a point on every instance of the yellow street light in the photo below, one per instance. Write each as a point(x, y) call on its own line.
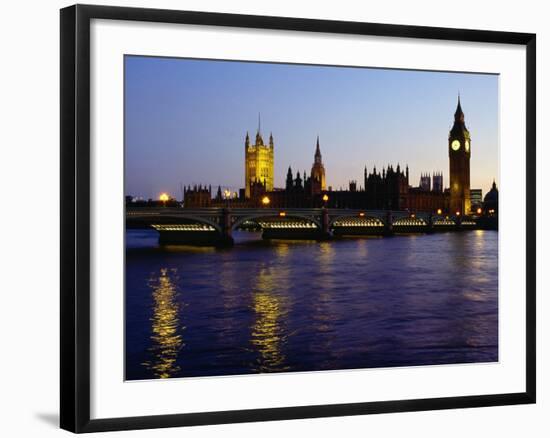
point(265, 200)
point(164, 197)
point(458, 213)
point(325, 197)
point(439, 211)
point(479, 211)
point(282, 213)
point(362, 214)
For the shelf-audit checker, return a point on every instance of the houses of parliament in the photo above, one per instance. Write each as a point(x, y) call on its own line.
point(388, 188)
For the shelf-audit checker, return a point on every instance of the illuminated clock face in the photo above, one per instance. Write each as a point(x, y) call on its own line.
point(455, 145)
point(467, 145)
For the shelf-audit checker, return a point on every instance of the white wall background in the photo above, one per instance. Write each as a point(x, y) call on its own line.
point(29, 218)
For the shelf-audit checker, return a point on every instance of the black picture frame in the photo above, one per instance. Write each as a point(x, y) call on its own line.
point(75, 217)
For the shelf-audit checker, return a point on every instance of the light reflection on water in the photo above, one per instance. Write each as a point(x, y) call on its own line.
point(267, 333)
point(166, 332)
point(295, 306)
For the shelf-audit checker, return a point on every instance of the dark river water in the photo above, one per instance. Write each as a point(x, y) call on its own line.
point(306, 306)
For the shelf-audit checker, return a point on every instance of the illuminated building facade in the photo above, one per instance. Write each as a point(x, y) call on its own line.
point(258, 163)
point(476, 199)
point(459, 164)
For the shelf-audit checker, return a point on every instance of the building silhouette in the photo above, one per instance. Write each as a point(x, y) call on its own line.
point(437, 180)
point(388, 189)
point(197, 196)
point(318, 169)
point(425, 181)
point(459, 164)
point(258, 162)
point(490, 201)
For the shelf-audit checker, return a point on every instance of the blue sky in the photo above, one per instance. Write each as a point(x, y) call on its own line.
point(186, 120)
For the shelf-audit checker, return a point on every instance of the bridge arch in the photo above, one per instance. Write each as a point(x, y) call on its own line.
point(179, 219)
point(256, 217)
point(365, 217)
point(446, 221)
point(410, 221)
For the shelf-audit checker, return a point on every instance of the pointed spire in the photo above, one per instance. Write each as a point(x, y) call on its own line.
point(298, 179)
point(271, 139)
point(459, 114)
point(317, 149)
point(289, 179)
point(259, 139)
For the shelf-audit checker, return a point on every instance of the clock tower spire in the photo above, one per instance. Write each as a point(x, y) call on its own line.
point(459, 164)
point(318, 169)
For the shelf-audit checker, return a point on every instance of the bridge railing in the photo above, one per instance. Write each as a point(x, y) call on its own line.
point(274, 211)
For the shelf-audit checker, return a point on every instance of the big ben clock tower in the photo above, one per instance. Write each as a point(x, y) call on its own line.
point(459, 164)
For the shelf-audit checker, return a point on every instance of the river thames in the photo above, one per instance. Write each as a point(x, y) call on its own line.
point(277, 306)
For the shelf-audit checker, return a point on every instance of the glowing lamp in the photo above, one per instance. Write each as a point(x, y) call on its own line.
point(282, 213)
point(439, 211)
point(362, 214)
point(325, 197)
point(265, 200)
point(164, 197)
point(479, 211)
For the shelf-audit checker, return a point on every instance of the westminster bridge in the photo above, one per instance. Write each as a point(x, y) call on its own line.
point(215, 226)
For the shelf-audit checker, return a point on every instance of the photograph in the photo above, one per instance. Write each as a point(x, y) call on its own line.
point(284, 218)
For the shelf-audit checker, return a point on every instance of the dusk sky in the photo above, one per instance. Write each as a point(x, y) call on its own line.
point(186, 121)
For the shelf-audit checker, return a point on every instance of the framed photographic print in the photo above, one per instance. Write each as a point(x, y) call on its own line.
point(273, 218)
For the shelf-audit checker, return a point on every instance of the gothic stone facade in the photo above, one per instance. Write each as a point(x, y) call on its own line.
point(259, 163)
